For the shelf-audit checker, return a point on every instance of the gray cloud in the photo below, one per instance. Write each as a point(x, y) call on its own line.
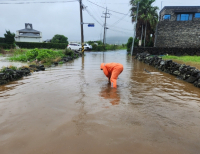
point(64, 18)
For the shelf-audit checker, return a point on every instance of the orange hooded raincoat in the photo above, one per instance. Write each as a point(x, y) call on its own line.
point(112, 71)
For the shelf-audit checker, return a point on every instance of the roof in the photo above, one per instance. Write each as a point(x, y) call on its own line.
point(28, 31)
point(182, 8)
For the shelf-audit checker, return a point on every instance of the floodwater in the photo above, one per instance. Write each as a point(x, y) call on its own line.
point(71, 109)
point(6, 63)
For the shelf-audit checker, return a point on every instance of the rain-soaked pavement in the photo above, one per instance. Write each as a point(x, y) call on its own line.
point(71, 109)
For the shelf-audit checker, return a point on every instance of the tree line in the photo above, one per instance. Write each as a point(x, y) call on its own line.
point(146, 21)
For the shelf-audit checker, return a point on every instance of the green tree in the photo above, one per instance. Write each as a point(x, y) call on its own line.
point(59, 39)
point(147, 18)
point(9, 37)
point(129, 43)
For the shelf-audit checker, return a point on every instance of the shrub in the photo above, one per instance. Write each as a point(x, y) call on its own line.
point(43, 54)
point(2, 40)
point(31, 45)
point(59, 39)
point(129, 44)
point(68, 52)
point(6, 46)
point(9, 37)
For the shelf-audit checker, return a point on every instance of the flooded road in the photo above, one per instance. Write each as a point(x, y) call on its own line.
point(6, 63)
point(71, 109)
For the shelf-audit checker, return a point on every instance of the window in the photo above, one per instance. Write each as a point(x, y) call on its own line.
point(184, 17)
point(197, 15)
point(166, 17)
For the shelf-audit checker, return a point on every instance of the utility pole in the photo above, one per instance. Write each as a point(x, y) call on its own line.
point(135, 29)
point(81, 19)
point(104, 36)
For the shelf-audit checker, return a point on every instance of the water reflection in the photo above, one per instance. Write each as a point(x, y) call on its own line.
point(64, 110)
point(112, 94)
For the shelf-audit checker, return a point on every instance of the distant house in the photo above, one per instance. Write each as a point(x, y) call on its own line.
point(47, 41)
point(178, 26)
point(28, 34)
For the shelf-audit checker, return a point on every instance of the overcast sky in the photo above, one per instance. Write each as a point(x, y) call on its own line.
point(63, 17)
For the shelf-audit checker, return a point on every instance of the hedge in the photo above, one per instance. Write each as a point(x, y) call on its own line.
point(2, 40)
point(6, 46)
point(29, 45)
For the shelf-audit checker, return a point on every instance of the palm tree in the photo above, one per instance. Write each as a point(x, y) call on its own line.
point(147, 17)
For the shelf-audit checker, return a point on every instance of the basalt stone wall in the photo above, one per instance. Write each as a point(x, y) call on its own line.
point(181, 71)
point(7, 74)
point(181, 34)
point(170, 51)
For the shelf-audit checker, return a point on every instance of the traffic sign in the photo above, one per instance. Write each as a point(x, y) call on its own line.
point(90, 25)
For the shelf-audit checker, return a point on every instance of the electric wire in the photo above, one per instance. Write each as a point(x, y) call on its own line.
point(33, 2)
point(95, 12)
point(121, 28)
point(105, 8)
point(93, 17)
point(113, 15)
point(119, 31)
point(120, 19)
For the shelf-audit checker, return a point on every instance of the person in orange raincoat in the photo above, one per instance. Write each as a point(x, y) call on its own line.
point(112, 71)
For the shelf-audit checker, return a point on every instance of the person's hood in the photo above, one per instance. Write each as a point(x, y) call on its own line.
point(102, 66)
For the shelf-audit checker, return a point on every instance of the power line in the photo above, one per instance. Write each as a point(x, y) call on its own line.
point(119, 31)
point(113, 3)
point(95, 12)
point(120, 19)
point(105, 8)
point(122, 28)
point(93, 17)
point(40, 2)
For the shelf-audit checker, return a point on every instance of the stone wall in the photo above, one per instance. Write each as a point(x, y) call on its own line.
point(181, 71)
point(170, 51)
point(178, 34)
point(173, 33)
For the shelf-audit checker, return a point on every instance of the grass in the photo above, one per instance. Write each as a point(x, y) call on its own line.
point(40, 56)
point(195, 59)
point(43, 56)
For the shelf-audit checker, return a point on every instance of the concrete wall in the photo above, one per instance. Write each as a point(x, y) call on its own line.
point(28, 39)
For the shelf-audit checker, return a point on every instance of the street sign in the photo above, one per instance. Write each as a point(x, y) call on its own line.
point(90, 25)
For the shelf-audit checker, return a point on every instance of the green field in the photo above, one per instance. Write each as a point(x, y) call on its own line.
point(195, 59)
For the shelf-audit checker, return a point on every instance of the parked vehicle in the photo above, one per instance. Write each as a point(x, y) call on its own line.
point(74, 46)
point(87, 46)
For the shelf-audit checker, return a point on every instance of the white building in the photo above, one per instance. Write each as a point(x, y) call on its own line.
point(28, 34)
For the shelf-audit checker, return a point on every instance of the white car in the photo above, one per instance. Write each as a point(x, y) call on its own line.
point(87, 46)
point(74, 46)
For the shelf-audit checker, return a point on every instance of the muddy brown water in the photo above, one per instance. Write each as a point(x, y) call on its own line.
point(6, 63)
point(71, 109)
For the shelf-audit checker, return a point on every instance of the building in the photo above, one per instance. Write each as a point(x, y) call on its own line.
point(178, 26)
point(28, 34)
